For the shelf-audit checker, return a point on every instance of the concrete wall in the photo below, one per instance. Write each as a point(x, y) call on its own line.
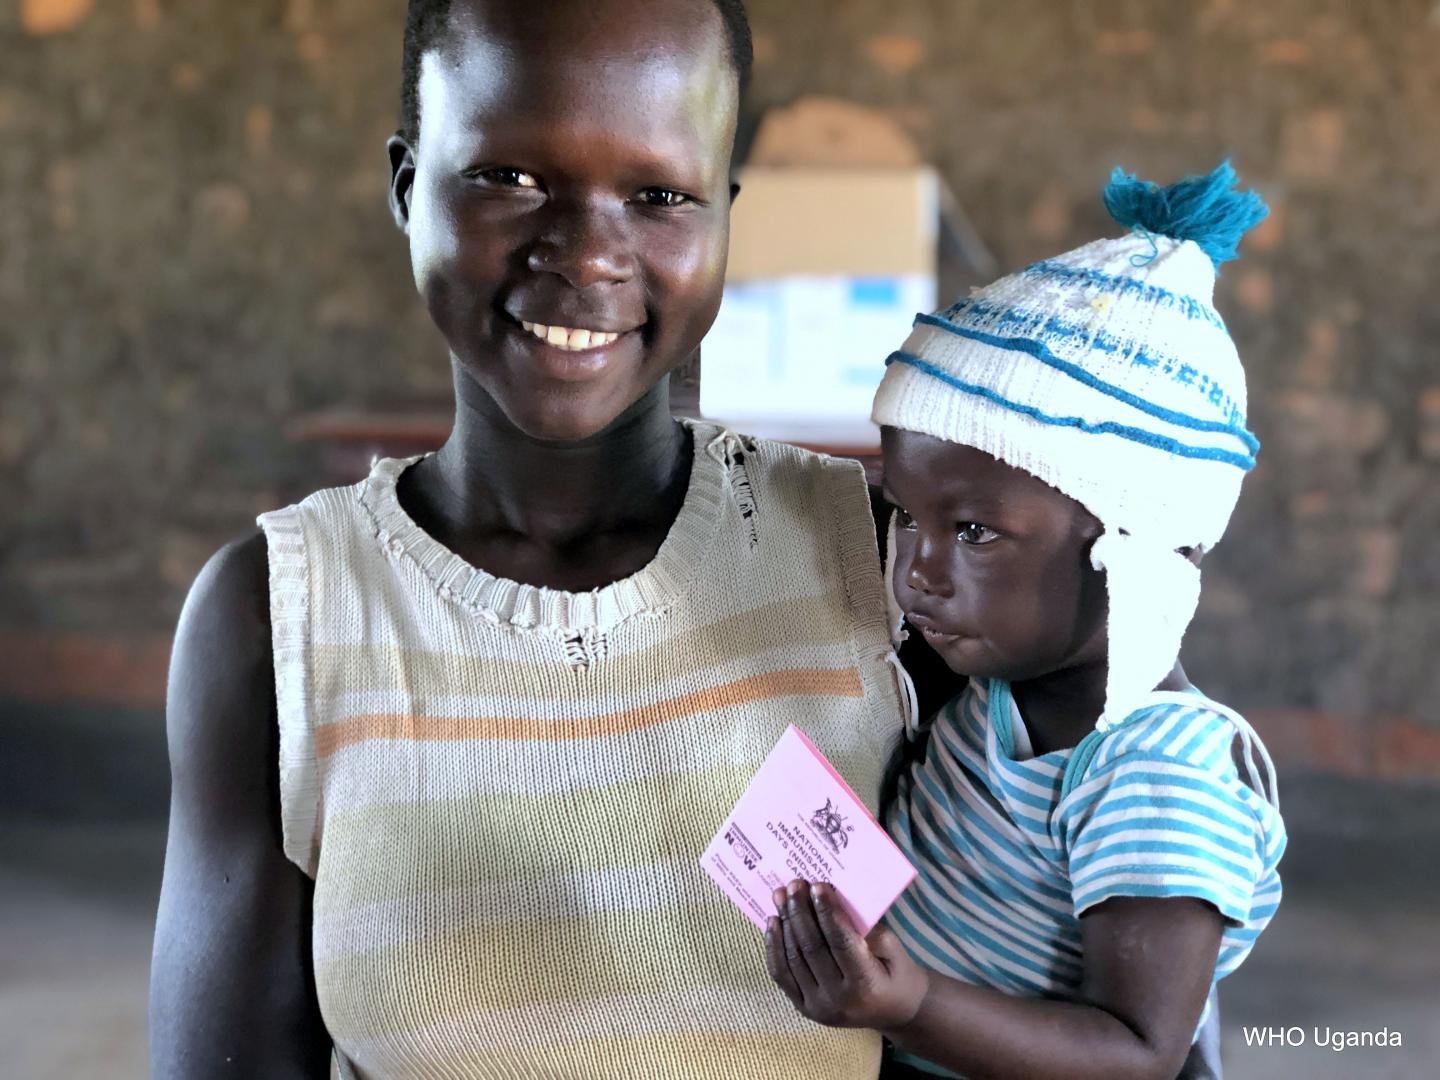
point(194, 251)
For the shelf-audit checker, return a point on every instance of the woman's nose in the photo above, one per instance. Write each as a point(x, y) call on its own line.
point(583, 245)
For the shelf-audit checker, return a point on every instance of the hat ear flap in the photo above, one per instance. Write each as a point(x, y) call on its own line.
point(1153, 592)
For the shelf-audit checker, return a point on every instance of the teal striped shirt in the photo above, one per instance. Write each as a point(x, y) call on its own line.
point(1013, 849)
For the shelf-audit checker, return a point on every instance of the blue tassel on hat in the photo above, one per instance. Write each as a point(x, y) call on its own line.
point(1205, 209)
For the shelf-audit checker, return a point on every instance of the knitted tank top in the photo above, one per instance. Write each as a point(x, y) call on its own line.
point(502, 791)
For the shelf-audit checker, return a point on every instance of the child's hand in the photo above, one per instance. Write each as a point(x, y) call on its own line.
point(832, 974)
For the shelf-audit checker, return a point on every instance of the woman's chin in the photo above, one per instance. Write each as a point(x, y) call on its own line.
point(567, 413)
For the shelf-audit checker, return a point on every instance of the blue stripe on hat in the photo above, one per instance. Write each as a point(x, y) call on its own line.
point(1245, 462)
point(1005, 316)
point(1041, 352)
point(1192, 308)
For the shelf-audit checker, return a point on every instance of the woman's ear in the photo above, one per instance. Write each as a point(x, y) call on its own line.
point(402, 179)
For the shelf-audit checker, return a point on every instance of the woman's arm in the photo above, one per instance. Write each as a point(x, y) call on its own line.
point(231, 987)
point(1148, 968)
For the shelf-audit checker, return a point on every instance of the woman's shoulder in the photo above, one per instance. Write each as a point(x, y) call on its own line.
point(226, 617)
point(790, 459)
point(816, 487)
point(221, 697)
point(232, 587)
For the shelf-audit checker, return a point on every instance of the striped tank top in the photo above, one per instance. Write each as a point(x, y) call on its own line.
point(1012, 848)
point(502, 791)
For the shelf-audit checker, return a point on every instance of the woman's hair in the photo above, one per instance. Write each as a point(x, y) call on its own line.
point(426, 22)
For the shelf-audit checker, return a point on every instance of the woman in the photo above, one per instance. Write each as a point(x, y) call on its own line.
point(513, 687)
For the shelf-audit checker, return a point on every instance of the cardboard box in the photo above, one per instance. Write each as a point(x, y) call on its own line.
point(828, 268)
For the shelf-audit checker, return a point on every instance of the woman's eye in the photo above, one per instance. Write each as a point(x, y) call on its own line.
point(664, 197)
point(903, 520)
point(972, 532)
point(507, 177)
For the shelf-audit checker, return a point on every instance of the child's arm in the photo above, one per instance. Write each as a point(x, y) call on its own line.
point(1148, 969)
point(231, 988)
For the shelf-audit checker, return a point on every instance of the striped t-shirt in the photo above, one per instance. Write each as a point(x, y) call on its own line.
point(1012, 849)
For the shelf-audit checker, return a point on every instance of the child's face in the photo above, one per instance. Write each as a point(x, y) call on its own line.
point(572, 172)
point(992, 566)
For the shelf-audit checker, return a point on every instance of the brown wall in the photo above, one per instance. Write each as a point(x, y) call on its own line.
point(194, 251)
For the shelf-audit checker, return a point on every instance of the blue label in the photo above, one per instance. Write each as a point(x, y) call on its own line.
point(875, 292)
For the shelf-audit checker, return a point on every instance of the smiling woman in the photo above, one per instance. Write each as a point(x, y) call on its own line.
point(625, 237)
point(447, 744)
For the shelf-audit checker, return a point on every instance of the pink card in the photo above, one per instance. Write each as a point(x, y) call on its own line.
point(799, 819)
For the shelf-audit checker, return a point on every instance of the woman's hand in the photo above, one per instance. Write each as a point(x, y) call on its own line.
point(832, 974)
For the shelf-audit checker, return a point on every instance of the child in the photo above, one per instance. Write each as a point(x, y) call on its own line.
point(1096, 843)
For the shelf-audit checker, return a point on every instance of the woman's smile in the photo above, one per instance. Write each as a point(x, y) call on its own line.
point(571, 338)
point(574, 353)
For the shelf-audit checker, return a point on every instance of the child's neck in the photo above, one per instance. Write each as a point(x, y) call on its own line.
point(1061, 708)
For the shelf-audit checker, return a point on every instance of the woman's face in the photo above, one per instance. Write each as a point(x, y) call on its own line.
point(568, 212)
point(992, 565)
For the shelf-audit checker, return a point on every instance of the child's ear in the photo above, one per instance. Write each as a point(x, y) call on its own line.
point(402, 179)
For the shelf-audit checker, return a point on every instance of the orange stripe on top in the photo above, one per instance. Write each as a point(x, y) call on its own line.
point(827, 682)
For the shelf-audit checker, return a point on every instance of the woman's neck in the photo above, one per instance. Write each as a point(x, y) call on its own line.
point(566, 515)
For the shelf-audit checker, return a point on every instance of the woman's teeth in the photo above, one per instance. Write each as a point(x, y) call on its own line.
point(571, 340)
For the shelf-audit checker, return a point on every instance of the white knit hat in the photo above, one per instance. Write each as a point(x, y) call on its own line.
point(1107, 373)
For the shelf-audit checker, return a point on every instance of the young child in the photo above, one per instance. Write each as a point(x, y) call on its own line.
point(1096, 840)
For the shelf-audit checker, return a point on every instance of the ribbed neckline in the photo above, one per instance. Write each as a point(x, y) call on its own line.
point(650, 590)
point(1002, 713)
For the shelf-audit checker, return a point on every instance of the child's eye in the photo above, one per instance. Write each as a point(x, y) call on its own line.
point(506, 177)
point(903, 520)
point(972, 532)
point(667, 198)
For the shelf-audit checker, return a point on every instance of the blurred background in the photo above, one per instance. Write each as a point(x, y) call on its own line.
point(205, 312)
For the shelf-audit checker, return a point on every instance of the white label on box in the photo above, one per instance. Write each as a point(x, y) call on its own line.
point(807, 348)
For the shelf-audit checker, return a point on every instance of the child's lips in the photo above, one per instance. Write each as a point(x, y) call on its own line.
point(930, 631)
